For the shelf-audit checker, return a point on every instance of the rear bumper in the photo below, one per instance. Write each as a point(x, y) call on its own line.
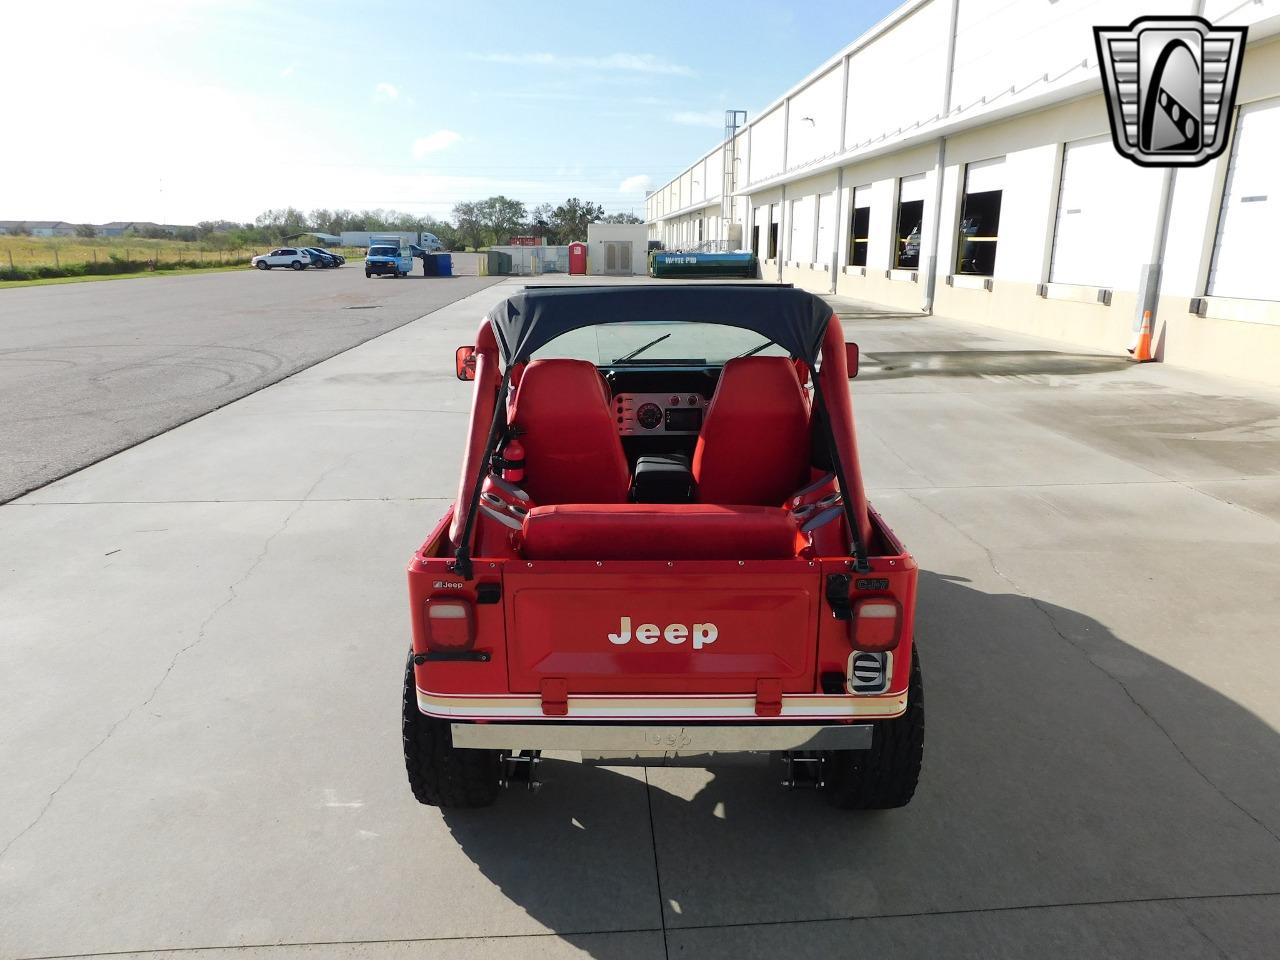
point(647, 740)
point(587, 708)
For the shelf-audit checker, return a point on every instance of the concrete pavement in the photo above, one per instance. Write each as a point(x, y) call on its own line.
point(204, 637)
point(88, 369)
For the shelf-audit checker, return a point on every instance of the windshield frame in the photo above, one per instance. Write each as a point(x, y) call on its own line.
point(658, 343)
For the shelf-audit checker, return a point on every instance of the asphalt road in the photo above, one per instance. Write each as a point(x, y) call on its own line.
point(204, 638)
point(88, 369)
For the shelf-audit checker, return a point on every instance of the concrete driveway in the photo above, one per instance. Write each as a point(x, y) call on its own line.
point(204, 637)
point(88, 369)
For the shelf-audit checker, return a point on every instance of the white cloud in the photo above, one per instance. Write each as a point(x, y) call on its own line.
point(288, 71)
point(699, 118)
point(435, 142)
point(623, 62)
point(640, 183)
point(385, 92)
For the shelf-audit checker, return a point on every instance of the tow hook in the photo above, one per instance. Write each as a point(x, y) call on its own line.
point(804, 770)
point(521, 767)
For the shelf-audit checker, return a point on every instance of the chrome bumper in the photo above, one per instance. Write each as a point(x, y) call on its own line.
point(627, 740)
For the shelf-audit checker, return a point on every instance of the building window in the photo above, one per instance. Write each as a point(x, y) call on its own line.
point(773, 232)
point(910, 221)
point(859, 236)
point(979, 227)
point(980, 218)
point(755, 239)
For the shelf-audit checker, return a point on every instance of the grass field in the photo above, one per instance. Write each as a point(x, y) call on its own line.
point(23, 252)
point(37, 260)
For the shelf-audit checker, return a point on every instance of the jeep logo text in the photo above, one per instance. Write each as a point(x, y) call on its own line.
point(702, 635)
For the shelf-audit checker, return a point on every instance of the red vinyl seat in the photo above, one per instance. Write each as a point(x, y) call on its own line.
point(657, 531)
point(572, 450)
point(754, 443)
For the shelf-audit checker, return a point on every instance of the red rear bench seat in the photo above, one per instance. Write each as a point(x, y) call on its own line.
point(657, 531)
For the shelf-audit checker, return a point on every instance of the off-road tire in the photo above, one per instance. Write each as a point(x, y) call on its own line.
point(885, 776)
point(439, 774)
point(263, 265)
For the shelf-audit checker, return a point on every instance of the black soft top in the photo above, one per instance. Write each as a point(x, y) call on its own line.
point(793, 319)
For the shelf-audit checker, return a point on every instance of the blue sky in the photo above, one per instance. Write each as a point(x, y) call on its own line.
point(185, 111)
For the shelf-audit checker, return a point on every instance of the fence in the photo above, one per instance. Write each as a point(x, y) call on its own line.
point(531, 261)
point(21, 260)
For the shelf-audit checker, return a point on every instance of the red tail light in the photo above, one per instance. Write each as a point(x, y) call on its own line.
point(450, 623)
point(876, 623)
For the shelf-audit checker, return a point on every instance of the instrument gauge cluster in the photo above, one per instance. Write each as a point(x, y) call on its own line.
point(653, 414)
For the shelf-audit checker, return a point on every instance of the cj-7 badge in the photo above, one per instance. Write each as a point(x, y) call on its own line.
point(703, 634)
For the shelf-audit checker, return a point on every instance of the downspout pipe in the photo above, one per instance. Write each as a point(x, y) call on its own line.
point(784, 219)
point(1153, 272)
point(842, 232)
point(939, 166)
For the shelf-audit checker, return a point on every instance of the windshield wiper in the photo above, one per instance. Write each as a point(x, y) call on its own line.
point(754, 350)
point(641, 349)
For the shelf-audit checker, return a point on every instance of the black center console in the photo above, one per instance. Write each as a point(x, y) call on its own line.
point(665, 479)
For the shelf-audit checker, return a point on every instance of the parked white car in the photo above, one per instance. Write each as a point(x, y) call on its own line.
point(293, 257)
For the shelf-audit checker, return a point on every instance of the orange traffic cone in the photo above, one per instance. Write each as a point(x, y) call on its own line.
point(1142, 349)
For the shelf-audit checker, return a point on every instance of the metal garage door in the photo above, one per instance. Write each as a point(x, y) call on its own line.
point(802, 214)
point(1250, 207)
point(826, 229)
point(1106, 217)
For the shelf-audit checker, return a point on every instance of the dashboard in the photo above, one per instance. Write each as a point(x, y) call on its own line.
point(657, 414)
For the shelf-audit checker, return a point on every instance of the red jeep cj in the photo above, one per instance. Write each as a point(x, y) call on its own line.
point(661, 551)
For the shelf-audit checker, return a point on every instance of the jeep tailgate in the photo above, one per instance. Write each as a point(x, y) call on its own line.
point(686, 627)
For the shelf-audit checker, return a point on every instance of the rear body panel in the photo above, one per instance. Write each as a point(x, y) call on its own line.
point(655, 627)
point(701, 641)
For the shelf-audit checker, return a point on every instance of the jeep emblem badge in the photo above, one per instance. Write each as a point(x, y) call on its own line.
point(701, 635)
point(1170, 84)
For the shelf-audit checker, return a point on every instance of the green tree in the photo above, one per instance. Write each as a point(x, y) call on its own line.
point(501, 217)
point(208, 228)
point(321, 220)
point(448, 235)
point(467, 217)
point(283, 222)
point(622, 218)
point(540, 219)
point(86, 230)
point(570, 219)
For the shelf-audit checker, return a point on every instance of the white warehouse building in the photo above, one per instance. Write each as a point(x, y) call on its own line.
point(957, 158)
